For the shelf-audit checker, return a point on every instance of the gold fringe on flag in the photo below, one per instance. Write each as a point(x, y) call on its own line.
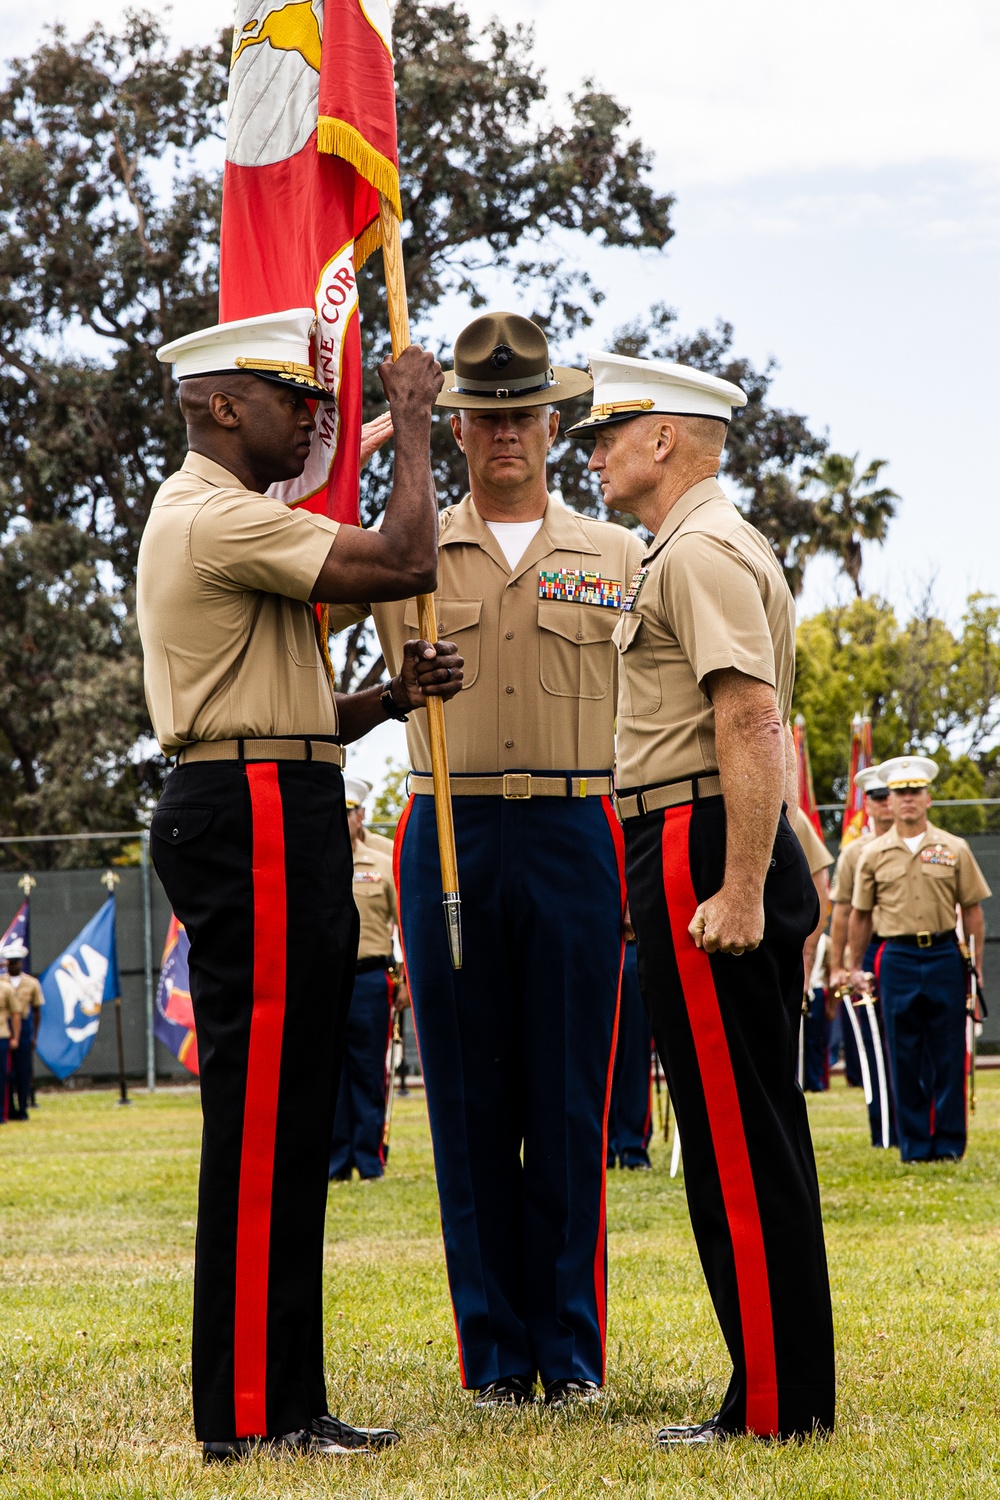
point(337, 138)
point(367, 243)
point(323, 632)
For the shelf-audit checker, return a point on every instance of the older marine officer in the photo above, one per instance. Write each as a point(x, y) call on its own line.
point(916, 875)
point(719, 888)
point(250, 838)
point(517, 1046)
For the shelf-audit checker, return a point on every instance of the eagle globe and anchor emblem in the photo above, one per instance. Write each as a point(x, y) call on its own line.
point(274, 76)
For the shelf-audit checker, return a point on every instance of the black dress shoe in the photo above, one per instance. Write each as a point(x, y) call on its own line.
point(512, 1390)
point(698, 1436)
point(572, 1393)
point(235, 1450)
point(353, 1439)
point(325, 1436)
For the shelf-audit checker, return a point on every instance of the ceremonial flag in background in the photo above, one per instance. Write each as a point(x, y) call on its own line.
point(807, 794)
point(862, 756)
point(173, 1021)
point(310, 143)
point(18, 931)
point(82, 979)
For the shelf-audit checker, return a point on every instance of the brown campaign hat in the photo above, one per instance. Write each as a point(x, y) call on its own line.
point(502, 363)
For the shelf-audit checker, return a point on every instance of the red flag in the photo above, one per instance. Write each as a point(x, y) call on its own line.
point(310, 142)
point(807, 794)
point(862, 756)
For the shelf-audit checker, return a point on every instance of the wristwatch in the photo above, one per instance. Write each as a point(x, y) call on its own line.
point(390, 707)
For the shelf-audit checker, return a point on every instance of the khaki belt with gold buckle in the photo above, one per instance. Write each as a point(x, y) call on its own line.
point(674, 794)
point(518, 786)
point(249, 749)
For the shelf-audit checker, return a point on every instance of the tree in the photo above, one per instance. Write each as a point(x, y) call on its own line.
point(928, 690)
point(69, 649)
point(110, 150)
point(851, 508)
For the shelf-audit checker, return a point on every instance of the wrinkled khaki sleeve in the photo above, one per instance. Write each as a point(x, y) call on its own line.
point(865, 895)
point(843, 879)
point(343, 616)
point(253, 542)
point(972, 887)
point(713, 603)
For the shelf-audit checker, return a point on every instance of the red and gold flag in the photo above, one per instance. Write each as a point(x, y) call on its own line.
point(862, 756)
point(310, 143)
point(807, 794)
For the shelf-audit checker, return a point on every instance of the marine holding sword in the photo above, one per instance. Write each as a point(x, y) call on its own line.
point(916, 875)
point(250, 837)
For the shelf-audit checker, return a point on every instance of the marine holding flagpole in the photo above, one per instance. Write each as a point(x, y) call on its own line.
point(250, 837)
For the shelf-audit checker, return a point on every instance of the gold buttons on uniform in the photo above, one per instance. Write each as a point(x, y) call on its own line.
point(509, 636)
point(508, 744)
point(579, 635)
point(509, 689)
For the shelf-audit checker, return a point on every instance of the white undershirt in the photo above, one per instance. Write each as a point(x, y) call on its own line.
point(15, 980)
point(913, 844)
point(514, 538)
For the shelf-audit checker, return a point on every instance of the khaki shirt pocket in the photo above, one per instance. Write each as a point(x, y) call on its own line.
point(458, 620)
point(638, 675)
point(575, 654)
point(301, 639)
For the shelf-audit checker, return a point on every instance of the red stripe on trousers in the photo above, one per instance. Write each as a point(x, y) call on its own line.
point(397, 855)
point(601, 1248)
point(260, 1113)
point(725, 1120)
point(387, 1078)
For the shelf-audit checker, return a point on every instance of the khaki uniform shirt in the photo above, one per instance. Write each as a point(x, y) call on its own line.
point(8, 1008)
point(708, 595)
point(228, 636)
point(26, 992)
point(917, 892)
point(816, 852)
point(539, 686)
point(375, 898)
point(847, 866)
point(378, 842)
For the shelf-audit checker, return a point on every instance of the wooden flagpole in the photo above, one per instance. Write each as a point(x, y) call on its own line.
point(399, 328)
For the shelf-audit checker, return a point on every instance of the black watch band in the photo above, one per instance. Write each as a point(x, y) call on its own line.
point(391, 708)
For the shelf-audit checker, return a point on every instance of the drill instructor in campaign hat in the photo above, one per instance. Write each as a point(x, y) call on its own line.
point(251, 843)
point(517, 1047)
point(916, 875)
point(719, 888)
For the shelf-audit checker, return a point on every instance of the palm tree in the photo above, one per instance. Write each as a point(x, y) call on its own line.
point(851, 508)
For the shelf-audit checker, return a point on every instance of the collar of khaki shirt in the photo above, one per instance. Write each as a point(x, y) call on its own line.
point(560, 531)
point(895, 838)
point(698, 494)
point(212, 473)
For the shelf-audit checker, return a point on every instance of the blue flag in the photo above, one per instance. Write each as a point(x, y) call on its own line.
point(19, 931)
point(75, 986)
point(173, 1020)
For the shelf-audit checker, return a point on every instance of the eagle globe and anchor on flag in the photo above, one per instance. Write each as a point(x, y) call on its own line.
point(292, 201)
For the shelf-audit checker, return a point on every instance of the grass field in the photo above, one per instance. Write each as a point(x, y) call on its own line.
point(98, 1232)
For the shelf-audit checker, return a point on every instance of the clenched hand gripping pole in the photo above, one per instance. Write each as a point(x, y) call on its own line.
point(399, 328)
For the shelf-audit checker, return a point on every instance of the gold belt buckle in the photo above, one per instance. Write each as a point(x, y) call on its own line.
point(924, 940)
point(520, 779)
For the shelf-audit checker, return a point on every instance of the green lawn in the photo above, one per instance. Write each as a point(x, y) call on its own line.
point(97, 1208)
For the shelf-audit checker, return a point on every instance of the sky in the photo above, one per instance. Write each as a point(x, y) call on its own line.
point(837, 175)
